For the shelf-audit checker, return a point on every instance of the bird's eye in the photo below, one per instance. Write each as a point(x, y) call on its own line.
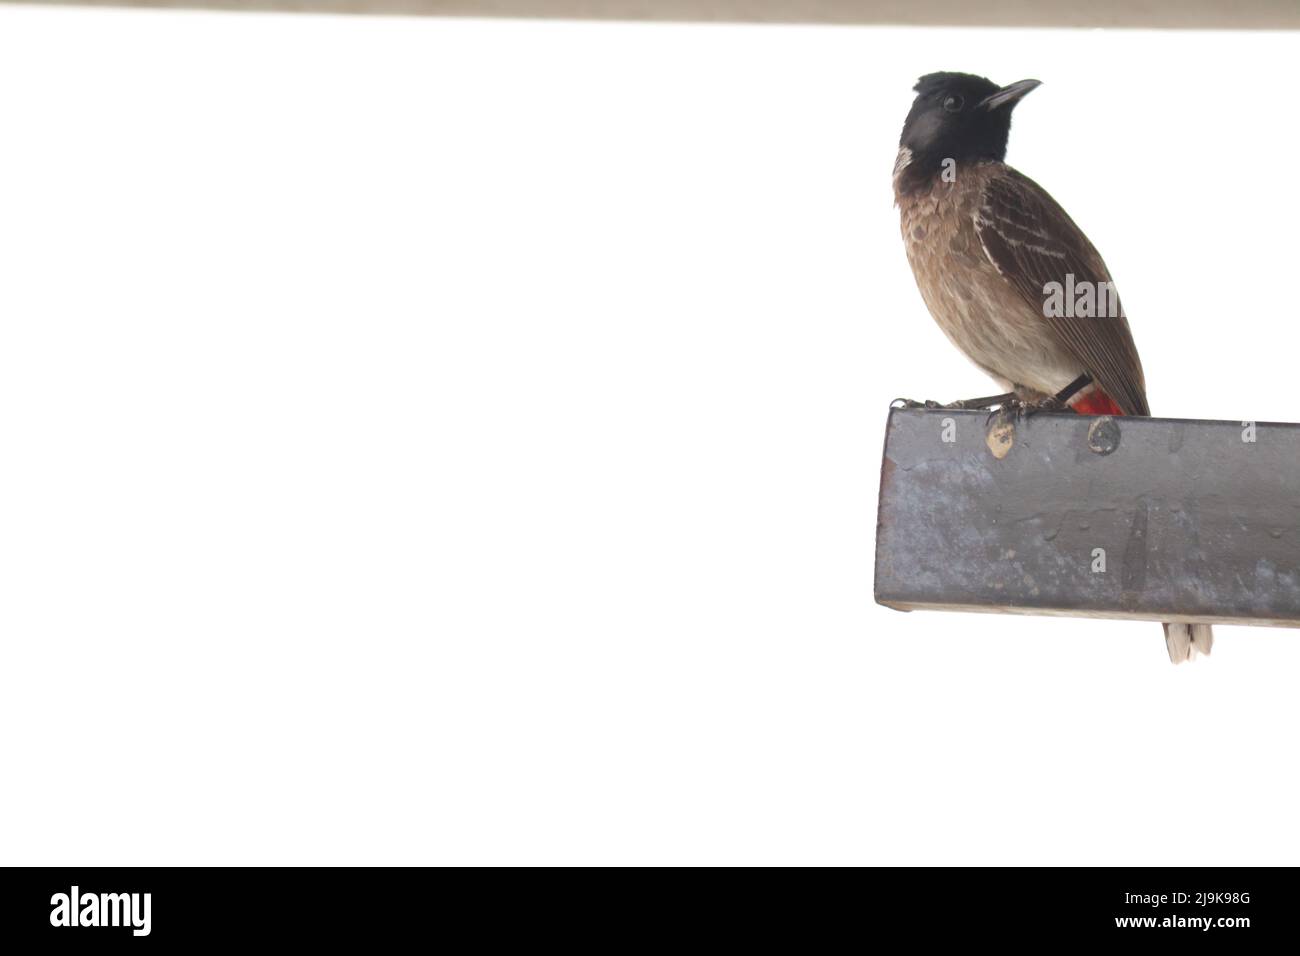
point(954, 103)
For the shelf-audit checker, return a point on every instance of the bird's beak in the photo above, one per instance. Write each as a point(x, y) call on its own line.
point(1008, 95)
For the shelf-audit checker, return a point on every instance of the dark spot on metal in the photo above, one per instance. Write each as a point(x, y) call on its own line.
point(1103, 435)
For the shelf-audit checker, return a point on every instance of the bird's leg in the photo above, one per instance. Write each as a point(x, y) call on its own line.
point(1061, 400)
point(989, 401)
point(1074, 388)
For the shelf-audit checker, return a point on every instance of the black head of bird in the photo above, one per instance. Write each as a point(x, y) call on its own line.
point(961, 117)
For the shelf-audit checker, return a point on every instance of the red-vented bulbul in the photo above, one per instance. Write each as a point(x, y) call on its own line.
point(1009, 277)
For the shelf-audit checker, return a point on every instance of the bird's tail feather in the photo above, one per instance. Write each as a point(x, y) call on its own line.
point(1185, 641)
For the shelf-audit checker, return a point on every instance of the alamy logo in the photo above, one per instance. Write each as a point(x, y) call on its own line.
point(101, 909)
point(1080, 300)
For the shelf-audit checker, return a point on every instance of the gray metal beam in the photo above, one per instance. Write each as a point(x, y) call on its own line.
point(1148, 518)
point(1154, 14)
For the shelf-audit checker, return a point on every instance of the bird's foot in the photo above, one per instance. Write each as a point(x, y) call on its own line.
point(1010, 412)
point(913, 403)
point(962, 404)
point(985, 403)
point(1015, 409)
point(1050, 404)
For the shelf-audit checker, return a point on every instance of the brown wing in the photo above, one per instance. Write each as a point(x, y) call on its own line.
point(1030, 240)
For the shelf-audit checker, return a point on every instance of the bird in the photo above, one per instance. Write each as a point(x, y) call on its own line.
point(1008, 276)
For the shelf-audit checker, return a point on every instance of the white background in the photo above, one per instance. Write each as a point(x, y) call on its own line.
point(458, 442)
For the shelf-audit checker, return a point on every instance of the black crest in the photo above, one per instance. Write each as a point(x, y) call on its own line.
point(959, 116)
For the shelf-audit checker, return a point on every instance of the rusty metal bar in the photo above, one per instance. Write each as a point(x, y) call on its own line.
point(1145, 518)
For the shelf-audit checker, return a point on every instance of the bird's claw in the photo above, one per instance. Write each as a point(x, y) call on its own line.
point(1012, 410)
point(1011, 407)
point(961, 404)
point(1016, 410)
